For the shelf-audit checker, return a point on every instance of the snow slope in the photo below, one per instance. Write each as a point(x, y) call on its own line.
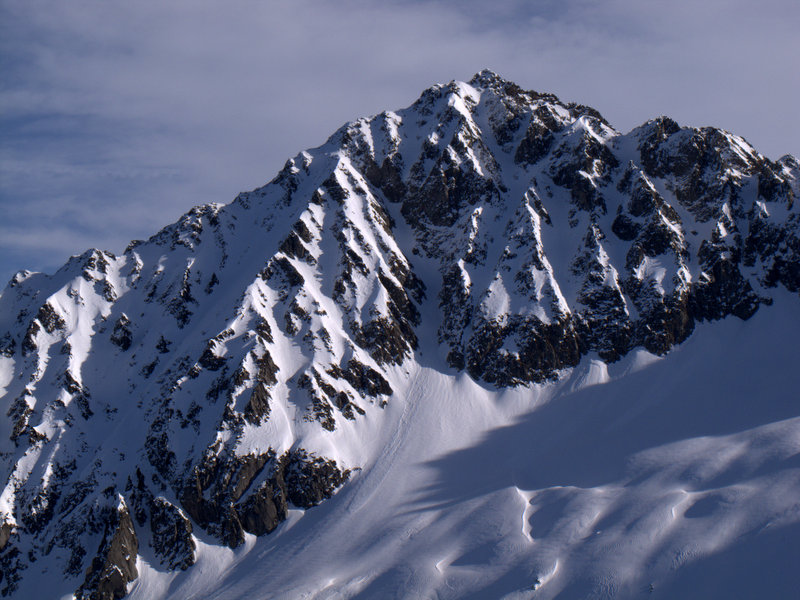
point(673, 477)
point(482, 346)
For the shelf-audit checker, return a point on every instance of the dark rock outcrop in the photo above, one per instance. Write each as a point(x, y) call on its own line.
point(122, 335)
point(221, 498)
point(172, 535)
point(114, 565)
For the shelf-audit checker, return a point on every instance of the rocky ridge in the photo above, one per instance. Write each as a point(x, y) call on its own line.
point(213, 377)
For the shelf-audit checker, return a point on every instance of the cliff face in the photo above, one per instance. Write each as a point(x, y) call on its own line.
point(220, 374)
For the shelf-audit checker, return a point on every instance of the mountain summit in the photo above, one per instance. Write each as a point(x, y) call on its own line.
point(359, 379)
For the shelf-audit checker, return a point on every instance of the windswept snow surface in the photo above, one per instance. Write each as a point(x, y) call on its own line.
point(673, 477)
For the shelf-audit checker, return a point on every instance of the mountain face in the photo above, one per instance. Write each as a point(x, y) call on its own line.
point(240, 367)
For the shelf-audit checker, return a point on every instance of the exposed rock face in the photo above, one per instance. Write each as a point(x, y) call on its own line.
point(5, 534)
point(224, 496)
point(114, 565)
point(172, 535)
point(518, 232)
point(122, 335)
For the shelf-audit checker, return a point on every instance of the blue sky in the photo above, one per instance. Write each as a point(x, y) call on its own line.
point(115, 118)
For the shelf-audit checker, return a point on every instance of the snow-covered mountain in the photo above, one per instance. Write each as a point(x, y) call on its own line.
point(445, 354)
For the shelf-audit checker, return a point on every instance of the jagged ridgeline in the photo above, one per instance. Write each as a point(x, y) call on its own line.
point(219, 375)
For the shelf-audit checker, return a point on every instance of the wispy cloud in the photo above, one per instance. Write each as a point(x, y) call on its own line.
point(117, 117)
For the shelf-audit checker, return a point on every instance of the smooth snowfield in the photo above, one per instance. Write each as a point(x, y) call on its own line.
point(676, 477)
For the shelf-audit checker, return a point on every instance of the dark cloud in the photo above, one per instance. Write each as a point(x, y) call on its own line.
point(117, 117)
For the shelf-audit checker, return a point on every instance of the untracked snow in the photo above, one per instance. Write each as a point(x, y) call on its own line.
point(673, 477)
